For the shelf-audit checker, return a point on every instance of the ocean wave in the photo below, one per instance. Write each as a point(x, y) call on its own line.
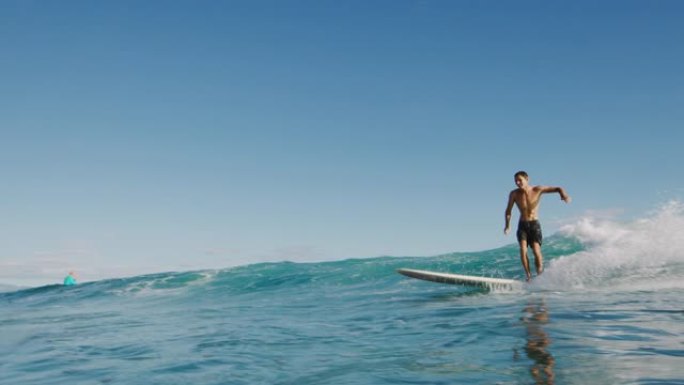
point(592, 253)
point(282, 276)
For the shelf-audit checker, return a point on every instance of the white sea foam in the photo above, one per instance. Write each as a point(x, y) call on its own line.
point(644, 254)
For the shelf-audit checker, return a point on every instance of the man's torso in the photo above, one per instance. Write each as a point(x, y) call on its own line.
point(527, 201)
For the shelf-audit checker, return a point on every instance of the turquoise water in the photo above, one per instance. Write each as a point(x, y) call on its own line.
point(608, 310)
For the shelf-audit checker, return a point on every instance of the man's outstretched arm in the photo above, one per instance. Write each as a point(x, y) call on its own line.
point(563, 194)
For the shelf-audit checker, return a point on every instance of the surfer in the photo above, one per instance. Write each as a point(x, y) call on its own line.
point(70, 279)
point(527, 198)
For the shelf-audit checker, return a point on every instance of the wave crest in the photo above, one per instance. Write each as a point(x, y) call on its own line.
point(643, 254)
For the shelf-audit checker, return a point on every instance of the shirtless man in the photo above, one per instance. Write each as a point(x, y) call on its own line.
point(527, 198)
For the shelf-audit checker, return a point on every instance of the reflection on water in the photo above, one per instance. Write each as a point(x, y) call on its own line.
point(534, 318)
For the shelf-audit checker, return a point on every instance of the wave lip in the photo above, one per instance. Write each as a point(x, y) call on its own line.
point(643, 254)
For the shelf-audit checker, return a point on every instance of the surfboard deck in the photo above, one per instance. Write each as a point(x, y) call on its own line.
point(458, 279)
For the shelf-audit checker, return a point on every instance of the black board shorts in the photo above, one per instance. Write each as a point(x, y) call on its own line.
point(529, 231)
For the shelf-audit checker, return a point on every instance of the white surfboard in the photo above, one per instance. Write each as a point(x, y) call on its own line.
point(458, 279)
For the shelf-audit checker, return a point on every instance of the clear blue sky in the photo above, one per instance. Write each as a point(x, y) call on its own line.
point(147, 136)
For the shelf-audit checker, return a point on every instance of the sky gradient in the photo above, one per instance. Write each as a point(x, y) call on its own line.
point(177, 135)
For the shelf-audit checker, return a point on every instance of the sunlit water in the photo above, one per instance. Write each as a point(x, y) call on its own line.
point(608, 310)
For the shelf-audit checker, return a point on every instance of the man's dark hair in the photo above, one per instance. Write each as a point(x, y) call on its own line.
point(522, 174)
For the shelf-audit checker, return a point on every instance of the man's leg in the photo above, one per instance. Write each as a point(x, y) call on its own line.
point(524, 260)
point(538, 258)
